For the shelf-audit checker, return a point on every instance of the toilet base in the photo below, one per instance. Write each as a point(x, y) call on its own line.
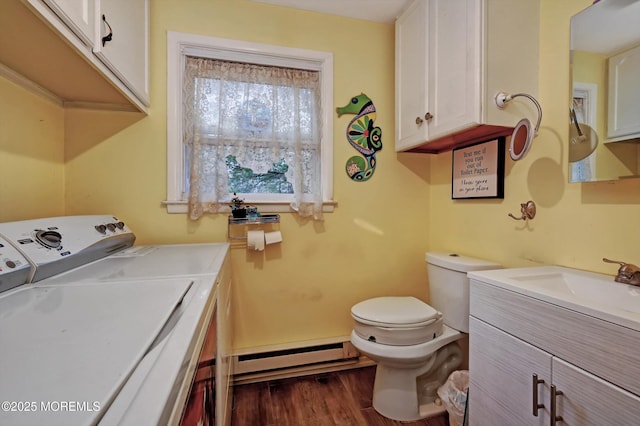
point(432, 409)
point(397, 394)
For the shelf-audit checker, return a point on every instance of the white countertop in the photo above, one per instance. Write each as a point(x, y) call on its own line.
point(590, 293)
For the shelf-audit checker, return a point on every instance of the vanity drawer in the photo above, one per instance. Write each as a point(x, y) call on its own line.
point(607, 350)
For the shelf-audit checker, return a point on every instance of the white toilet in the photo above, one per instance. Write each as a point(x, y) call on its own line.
point(414, 343)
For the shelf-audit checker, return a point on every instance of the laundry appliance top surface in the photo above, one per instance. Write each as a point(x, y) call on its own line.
point(145, 262)
point(67, 350)
point(94, 330)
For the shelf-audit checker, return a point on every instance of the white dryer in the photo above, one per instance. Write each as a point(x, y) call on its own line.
point(95, 331)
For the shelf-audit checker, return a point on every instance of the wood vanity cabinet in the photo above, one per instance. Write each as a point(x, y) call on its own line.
point(624, 96)
point(520, 348)
point(452, 57)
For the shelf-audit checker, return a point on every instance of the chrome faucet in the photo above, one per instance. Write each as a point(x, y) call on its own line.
point(627, 274)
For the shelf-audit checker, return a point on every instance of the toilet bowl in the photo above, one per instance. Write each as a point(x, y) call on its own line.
point(413, 343)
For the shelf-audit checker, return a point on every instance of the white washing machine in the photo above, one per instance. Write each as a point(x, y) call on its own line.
point(95, 331)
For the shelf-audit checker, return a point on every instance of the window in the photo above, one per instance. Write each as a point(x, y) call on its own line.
point(248, 118)
point(584, 105)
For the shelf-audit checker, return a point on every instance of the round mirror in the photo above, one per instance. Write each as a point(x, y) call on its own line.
point(583, 141)
point(521, 139)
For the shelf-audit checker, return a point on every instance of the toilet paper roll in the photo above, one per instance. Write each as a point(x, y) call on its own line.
point(255, 240)
point(273, 237)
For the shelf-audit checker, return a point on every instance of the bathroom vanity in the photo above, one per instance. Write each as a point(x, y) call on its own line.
point(553, 343)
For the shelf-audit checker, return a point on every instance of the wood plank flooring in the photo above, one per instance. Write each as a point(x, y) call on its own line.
point(341, 399)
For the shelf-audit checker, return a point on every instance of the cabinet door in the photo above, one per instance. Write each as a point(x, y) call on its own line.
point(589, 400)
point(624, 94)
point(455, 47)
point(438, 70)
point(126, 54)
point(78, 15)
point(411, 76)
point(501, 369)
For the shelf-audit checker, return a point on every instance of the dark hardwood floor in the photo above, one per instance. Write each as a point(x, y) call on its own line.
point(341, 398)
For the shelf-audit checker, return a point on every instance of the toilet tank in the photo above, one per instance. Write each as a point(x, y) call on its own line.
point(449, 285)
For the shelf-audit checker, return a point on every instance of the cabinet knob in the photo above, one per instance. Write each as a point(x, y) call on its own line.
point(419, 121)
point(428, 116)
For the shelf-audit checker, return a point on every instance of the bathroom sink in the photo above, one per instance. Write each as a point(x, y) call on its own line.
point(586, 292)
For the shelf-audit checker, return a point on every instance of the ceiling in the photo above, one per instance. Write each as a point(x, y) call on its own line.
point(606, 27)
point(385, 11)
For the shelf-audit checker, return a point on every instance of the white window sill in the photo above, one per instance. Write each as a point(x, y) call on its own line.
point(263, 207)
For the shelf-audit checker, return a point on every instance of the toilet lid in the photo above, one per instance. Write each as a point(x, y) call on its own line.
point(404, 311)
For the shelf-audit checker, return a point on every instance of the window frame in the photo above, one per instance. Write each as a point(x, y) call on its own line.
point(588, 93)
point(180, 45)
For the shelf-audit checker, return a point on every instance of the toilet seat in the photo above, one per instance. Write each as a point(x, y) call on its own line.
point(405, 353)
point(396, 321)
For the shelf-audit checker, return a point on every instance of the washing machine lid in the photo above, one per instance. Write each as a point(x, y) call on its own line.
point(404, 311)
point(77, 344)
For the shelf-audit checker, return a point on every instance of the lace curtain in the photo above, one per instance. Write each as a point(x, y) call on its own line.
point(251, 129)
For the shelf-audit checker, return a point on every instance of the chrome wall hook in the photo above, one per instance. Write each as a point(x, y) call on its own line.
point(527, 210)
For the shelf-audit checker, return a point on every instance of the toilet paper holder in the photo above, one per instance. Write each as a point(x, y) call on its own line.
point(248, 223)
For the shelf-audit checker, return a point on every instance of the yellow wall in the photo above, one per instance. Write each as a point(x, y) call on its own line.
point(374, 242)
point(31, 155)
point(576, 224)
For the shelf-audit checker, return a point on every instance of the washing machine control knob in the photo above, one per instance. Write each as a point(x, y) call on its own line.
point(49, 239)
point(101, 229)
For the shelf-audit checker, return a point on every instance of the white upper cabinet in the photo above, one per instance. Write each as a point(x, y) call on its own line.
point(78, 15)
point(437, 70)
point(624, 95)
point(411, 76)
point(54, 48)
point(122, 42)
point(452, 57)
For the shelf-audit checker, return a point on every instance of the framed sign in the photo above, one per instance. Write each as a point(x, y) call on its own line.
point(478, 170)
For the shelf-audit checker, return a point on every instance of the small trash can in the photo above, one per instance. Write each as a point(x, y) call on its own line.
point(453, 394)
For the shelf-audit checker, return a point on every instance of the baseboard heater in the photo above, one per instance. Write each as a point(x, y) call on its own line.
point(296, 361)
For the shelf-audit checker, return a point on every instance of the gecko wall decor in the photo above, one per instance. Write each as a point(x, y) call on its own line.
point(363, 135)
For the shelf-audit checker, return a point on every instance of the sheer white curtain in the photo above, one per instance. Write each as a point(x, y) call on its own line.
point(258, 119)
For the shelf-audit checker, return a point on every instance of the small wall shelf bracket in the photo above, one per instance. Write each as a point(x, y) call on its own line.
point(246, 221)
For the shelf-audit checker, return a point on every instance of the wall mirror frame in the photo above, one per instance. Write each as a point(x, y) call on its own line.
point(604, 104)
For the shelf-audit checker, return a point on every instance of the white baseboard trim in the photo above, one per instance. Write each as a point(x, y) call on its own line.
point(296, 359)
